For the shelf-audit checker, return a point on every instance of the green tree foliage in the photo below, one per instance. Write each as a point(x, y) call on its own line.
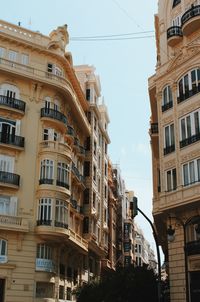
point(131, 284)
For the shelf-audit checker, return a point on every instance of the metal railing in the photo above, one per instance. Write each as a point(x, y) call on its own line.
point(190, 13)
point(11, 139)
point(54, 114)
point(167, 106)
point(190, 140)
point(12, 103)
point(169, 149)
point(9, 178)
point(174, 31)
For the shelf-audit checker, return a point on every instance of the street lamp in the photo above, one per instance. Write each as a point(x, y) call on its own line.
point(135, 212)
point(171, 237)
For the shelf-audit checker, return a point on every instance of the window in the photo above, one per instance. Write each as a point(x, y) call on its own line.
point(167, 101)
point(6, 163)
point(2, 52)
point(176, 2)
point(50, 134)
point(94, 173)
point(63, 175)
point(95, 148)
point(44, 290)
point(54, 69)
point(45, 211)
point(25, 59)
point(169, 142)
point(12, 55)
point(11, 91)
point(87, 94)
point(86, 196)
point(46, 171)
point(86, 225)
point(189, 85)
point(8, 205)
point(191, 172)
point(171, 183)
point(3, 251)
point(61, 213)
point(44, 251)
point(86, 168)
point(190, 128)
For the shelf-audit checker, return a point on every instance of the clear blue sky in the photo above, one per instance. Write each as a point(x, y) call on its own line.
point(123, 67)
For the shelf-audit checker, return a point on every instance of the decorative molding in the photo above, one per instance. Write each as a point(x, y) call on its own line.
point(189, 108)
point(189, 156)
point(170, 164)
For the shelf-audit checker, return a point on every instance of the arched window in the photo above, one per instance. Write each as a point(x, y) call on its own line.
point(189, 85)
point(3, 251)
point(11, 91)
point(176, 2)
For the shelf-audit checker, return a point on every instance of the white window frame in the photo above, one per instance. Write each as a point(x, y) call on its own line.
point(8, 205)
point(188, 122)
point(7, 163)
point(169, 183)
point(47, 169)
point(63, 172)
point(61, 211)
point(169, 96)
point(2, 52)
point(44, 252)
point(191, 172)
point(12, 55)
point(3, 250)
point(45, 209)
point(189, 74)
point(171, 135)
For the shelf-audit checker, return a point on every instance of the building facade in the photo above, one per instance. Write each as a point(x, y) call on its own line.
point(175, 140)
point(53, 209)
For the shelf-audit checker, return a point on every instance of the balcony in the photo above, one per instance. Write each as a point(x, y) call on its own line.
point(78, 241)
point(54, 115)
point(78, 177)
point(13, 104)
point(167, 106)
point(13, 223)
point(8, 179)
point(62, 184)
point(154, 128)
point(174, 35)
point(46, 181)
point(74, 205)
point(76, 143)
point(193, 248)
point(191, 20)
point(56, 146)
point(169, 149)
point(12, 140)
point(70, 134)
point(52, 229)
point(190, 140)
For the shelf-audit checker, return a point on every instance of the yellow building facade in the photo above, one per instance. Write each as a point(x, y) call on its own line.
point(175, 140)
point(44, 132)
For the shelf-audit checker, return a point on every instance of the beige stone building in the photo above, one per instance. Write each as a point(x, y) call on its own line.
point(175, 138)
point(53, 214)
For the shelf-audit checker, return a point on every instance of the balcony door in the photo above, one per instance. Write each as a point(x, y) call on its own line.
point(195, 286)
point(2, 290)
point(7, 130)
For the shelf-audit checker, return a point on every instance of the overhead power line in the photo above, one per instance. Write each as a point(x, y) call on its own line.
point(115, 37)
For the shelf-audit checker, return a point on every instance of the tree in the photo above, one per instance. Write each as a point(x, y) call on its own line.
point(130, 284)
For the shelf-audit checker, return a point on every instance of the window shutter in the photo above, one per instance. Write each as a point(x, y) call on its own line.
point(18, 123)
point(13, 206)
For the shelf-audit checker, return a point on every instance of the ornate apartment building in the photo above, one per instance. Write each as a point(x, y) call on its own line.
point(175, 138)
point(53, 169)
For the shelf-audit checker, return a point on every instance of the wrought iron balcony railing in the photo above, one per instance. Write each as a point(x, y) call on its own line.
point(11, 139)
point(54, 114)
point(9, 178)
point(12, 103)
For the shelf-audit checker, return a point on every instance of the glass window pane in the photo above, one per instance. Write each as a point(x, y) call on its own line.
point(198, 169)
point(196, 122)
point(185, 175)
point(192, 173)
point(188, 122)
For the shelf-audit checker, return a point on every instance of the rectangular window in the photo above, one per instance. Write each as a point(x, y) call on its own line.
point(61, 213)
point(45, 211)
point(12, 55)
point(169, 139)
point(8, 205)
point(6, 163)
point(25, 59)
point(171, 182)
point(86, 168)
point(46, 171)
point(191, 172)
point(190, 126)
point(2, 52)
point(88, 94)
point(63, 174)
point(44, 290)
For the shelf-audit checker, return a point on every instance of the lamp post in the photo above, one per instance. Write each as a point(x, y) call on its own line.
point(171, 236)
point(135, 212)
